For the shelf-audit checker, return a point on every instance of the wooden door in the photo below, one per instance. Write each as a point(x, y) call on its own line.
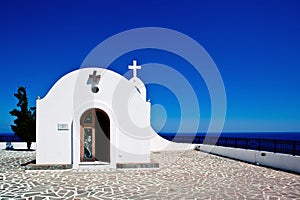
point(87, 136)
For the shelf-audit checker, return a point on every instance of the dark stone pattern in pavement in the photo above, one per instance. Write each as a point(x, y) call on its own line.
point(182, 175)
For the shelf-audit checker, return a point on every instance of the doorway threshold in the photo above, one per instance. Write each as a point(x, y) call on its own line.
point(94, 166)
point(93, 163)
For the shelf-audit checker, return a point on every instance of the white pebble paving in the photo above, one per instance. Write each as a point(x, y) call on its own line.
point(182, 175)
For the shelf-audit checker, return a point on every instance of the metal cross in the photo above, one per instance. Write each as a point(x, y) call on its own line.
point(95, 78)
point(134, 67)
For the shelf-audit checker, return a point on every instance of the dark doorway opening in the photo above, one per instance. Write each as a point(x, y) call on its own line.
point(102, 133)
point(94, 136)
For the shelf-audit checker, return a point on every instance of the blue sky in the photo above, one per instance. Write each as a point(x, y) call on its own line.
point(255, 45)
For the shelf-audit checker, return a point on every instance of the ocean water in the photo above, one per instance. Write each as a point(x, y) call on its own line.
point(7, 134)
point(294, 136)
point(284, 142)
point(6, 137)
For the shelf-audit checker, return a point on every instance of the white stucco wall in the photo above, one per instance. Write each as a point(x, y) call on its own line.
point(53, 146)
point(280, 161)
point(157, 143)
point(276, 160)
point(71, 96)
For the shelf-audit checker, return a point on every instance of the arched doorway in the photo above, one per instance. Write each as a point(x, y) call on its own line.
point(94, 136)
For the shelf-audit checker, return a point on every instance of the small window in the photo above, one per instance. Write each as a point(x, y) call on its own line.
point(95, 89)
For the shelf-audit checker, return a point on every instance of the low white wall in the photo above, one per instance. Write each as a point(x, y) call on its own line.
point(276, 160)
point(158, 143)
point(18, 145)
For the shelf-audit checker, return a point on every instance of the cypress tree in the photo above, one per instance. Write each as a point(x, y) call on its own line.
point(24, 124)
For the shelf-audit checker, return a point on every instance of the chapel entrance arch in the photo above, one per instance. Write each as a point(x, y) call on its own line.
point(94, 136)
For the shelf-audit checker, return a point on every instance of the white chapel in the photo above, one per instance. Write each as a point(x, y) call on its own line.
point(97, 116)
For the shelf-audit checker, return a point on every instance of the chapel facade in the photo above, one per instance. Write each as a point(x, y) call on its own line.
point(95, 116)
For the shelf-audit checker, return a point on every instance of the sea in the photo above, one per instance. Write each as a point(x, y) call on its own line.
point(6, 137)
point(294, 136)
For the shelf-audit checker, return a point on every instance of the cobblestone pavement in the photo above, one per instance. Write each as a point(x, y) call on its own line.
point(182, 175)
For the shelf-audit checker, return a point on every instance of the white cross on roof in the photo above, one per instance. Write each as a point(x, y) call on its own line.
point(134, 67)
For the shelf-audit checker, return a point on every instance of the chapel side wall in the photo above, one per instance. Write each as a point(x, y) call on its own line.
point(53, 145)
point(131, 149)
point(134, 141)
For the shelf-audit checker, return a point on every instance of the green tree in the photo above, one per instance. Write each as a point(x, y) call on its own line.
point(24, 124)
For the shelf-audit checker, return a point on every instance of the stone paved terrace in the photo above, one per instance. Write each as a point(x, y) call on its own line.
point(182, 175)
